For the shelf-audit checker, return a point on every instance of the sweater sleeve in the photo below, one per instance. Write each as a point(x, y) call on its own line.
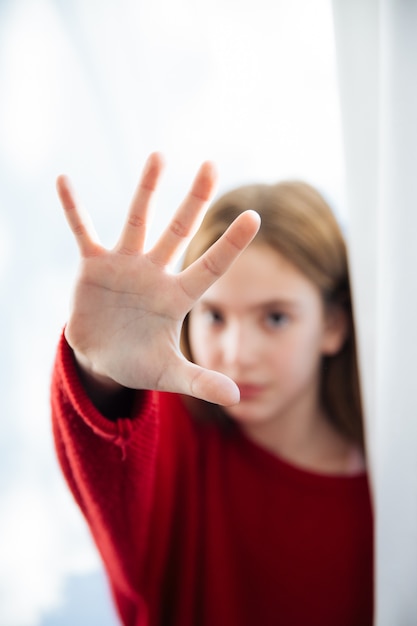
point(109, 467)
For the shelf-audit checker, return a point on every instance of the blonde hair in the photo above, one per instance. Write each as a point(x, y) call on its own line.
point(297, 222)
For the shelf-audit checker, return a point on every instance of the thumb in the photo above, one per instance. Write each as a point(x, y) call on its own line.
point(207, 384)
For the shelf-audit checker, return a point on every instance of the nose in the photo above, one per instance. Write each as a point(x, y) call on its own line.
point(239, 344)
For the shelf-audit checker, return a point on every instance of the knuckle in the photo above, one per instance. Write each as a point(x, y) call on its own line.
point(79, 230)
point(136, 221)
point(195, 382)
point(234, 242)
point(210, 265)
point(126, 251)
point(178, 229)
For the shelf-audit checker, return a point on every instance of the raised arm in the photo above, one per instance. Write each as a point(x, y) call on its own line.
point(128, 307)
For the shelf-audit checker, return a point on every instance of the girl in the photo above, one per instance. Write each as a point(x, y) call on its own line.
point(228, 488)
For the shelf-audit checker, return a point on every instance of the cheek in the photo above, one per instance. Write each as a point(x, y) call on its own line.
point(310, 356)
point(199, 343)
point(298, 351)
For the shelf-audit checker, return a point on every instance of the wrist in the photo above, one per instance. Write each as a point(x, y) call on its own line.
point(94, 382)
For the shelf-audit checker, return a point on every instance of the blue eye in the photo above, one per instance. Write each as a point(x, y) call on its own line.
point(214, 317)
point(277, 319)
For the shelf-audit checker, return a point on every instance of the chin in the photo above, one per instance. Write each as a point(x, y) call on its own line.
point(246, 413)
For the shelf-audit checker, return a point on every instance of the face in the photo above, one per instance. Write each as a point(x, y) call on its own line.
point(263, 324)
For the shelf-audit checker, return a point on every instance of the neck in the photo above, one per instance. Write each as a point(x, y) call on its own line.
point(309, 440)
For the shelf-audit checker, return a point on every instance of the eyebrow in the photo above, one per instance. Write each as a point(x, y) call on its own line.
point(285, 304)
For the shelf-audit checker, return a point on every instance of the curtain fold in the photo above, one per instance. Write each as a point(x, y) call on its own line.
point(376, 43)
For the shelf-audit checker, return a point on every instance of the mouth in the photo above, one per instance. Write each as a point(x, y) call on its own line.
point(249, 391)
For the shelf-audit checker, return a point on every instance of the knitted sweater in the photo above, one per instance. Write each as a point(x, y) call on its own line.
point(197, 525)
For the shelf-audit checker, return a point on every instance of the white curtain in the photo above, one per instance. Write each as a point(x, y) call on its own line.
point(90, 88)
point(376, 42)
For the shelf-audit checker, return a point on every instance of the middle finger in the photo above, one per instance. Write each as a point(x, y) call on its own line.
point(134, 232)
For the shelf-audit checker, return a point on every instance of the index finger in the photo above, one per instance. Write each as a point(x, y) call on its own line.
point(201, 274)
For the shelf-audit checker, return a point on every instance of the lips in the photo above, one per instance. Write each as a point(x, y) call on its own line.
point(248, 391)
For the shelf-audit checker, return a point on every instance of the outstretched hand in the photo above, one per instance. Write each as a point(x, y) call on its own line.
point(128, 308)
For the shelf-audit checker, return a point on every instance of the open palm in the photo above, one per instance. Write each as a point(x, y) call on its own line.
point(128, 307)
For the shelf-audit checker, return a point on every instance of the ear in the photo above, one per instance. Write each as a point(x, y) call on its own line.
point(336, 330)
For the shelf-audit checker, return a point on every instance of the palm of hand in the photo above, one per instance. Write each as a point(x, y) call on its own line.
point(128, 308)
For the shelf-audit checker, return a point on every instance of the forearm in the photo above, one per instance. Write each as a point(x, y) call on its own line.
point(109, 467)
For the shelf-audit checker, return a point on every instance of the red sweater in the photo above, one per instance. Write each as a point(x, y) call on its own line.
point(197, 525)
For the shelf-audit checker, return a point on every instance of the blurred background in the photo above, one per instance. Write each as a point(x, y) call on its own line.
point(89, 88)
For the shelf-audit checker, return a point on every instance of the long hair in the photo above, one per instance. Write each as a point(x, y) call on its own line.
point(297, 222)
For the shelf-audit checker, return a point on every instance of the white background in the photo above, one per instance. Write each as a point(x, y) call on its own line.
point(89, 88)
